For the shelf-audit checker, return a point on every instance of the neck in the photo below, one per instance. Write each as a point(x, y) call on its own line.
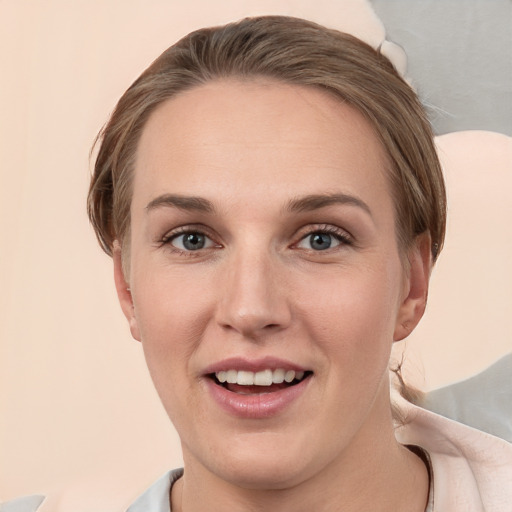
point(373, 471)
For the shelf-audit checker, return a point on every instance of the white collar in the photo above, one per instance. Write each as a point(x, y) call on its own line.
point(156, 498)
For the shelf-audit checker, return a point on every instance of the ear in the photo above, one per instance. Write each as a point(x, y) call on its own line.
point(415, 292)
point(124, 293)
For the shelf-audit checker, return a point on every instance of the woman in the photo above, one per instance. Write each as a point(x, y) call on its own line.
point(273, 203)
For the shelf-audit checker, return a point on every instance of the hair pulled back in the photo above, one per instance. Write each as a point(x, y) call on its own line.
point(292, 51)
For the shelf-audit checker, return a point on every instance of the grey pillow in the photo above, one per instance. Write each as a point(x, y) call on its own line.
point(483, 401)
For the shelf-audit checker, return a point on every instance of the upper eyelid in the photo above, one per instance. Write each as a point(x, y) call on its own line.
point(299, 235)
point(187, 228)
point(343, 237)
point(166, 241)
point(325, 228)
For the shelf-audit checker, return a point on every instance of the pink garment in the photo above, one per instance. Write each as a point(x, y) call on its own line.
point(472, 470)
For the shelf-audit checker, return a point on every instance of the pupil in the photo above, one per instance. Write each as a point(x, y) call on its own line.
point(320, 241)
point(193, 241)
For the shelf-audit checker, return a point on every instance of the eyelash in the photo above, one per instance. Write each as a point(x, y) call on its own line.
point(169, 237)
point(340, 235)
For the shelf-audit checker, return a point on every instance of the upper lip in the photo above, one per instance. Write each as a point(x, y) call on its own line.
point(252, 365)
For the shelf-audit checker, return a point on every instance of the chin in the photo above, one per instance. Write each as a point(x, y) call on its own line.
point(263, 475)
point(271, 461)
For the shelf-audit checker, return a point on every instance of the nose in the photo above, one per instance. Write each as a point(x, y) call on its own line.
point(254, 298)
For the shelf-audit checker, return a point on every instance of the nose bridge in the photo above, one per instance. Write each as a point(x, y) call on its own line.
point(253, 301)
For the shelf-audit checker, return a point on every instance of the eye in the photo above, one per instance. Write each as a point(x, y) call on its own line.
point(322, 240)
point(189, 241)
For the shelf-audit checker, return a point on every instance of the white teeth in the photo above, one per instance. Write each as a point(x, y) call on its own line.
point(245, 378)
point(231, 376)
point(278, 376)
point(261, 378)
point(289, 376)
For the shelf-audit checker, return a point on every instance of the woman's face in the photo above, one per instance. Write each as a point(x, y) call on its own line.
point(263, 248)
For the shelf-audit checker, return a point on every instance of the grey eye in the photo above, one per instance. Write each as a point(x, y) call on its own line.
point(319, 241)
point(191, 241)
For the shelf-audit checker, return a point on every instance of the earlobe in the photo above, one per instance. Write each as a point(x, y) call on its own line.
point(416, 288)
point(124, 293)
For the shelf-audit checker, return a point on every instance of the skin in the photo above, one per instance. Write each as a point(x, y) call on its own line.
point(259, 288)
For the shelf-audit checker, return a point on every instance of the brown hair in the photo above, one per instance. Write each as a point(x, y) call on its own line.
point(294, 51)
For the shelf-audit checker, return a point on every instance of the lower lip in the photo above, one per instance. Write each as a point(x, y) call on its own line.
point(256, 406)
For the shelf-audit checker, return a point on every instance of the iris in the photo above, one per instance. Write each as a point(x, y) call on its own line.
point(320, 241)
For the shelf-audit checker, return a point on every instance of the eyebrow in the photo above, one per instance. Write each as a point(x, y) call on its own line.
point(317, 201)
point(300, 204)
point(187, 203)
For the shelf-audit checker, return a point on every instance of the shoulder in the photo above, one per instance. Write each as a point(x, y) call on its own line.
point(154, 499)
point(472, 469)
point(23, 504)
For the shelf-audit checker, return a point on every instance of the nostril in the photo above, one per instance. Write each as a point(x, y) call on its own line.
point(250, 325)
point(252, 319)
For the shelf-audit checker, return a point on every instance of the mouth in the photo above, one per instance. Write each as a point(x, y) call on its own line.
point(257, 388)
point(265, 381)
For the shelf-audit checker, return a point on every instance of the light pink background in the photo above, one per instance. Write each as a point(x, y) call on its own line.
point(79, 420)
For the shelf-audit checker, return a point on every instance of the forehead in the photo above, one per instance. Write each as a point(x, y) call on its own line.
point(257, 136)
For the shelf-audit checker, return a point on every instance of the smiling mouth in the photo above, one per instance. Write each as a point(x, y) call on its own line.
point(266, 381)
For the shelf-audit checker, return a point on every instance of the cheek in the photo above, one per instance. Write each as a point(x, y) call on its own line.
point(169, 299)
point(354, 299)
point(172, 317)
point(172, 313)
point(352, 314)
